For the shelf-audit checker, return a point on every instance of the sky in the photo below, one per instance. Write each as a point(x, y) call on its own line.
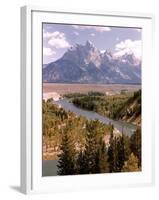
point(58, 38)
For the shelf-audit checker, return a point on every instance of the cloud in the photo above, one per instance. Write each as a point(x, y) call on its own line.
point(102, 51)
point(138, 30)
point(75, 26)
point(129, 46)
point(117, 38)
point(92, 34)
point(102, 29)
point(56, 39)
point(96, 28)
point(47, 34)
point(76, 33)
point(48, 51)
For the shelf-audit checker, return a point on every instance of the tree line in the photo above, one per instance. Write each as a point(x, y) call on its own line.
point(119, 106)
point(105, 105)
point(123, 154)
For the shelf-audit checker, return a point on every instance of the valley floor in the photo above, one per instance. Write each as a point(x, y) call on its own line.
point(108, 89)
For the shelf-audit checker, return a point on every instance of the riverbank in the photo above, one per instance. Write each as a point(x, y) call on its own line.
point(121, 126)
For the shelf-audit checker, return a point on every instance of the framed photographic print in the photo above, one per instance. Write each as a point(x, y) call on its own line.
point(86, 100)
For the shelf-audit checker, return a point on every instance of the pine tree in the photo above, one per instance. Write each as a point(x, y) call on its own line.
point(131, 165)
point(87, 160)
point(118, 152)
point(93, 159)
point(66, 162)
point(123, 151)
point(101, 158)
point(81, 164)
point(135, 145)
point(90, 153)
point(112, 153)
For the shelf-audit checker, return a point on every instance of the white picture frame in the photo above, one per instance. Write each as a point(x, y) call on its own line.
point(31, 167)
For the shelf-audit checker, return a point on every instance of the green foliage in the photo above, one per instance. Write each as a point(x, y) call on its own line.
point(78, 95)
point(118, 152)
point(81, 164)
point(79, 143)
point(104, 105)
point(93, 93)
point(123, 150)
point(135, 142)
point(102, 165)
point(74, 95)
point(66, 162)
point(124, 106)
point(90, 154)
point(111, 153)
point(93, 159)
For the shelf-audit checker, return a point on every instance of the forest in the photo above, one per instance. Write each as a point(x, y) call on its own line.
point(124, 106)
point(84, 146)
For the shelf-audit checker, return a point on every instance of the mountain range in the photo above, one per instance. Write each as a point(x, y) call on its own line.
point(87, 64)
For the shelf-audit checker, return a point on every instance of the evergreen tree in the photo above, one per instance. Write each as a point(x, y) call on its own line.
point(135, 145)
point(81, 164)
point(123, 151)
point(87, 160)
point(131, 165)
point(112, 154)
point(101, 158)
point(90, 154)
point(118, 152)
point(66, 162)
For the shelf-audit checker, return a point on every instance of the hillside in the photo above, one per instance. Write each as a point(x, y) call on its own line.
point(131, 111)
point(57, 121)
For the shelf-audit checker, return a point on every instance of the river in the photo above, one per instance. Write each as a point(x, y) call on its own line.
point(126, 128)
point(49, 167)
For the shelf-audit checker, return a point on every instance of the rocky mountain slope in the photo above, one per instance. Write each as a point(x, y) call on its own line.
point(86, 64)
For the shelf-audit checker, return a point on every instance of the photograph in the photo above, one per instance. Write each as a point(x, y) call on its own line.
point(91, 99)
